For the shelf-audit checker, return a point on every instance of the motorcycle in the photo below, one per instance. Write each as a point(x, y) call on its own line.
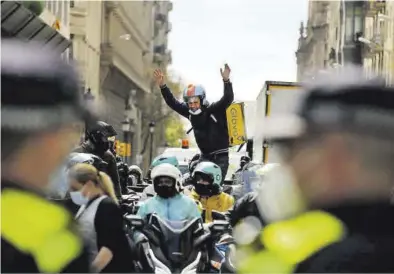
point(183, 247)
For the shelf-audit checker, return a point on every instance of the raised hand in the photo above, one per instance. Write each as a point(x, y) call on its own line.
point(159, 77)
point(225, 72)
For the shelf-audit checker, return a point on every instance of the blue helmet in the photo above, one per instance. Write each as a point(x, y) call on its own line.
point(161, 159)
point(211, 169)
point(194, 91)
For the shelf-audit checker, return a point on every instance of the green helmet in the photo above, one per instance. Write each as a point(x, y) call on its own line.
point(161, 159)
point(211, 169)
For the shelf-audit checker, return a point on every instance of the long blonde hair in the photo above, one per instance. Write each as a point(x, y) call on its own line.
point(84, 172)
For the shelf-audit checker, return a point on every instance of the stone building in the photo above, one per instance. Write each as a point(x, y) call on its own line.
point(113, 44)
point(341, 32)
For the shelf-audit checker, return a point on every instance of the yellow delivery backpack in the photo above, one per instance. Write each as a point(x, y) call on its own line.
point(236, 124)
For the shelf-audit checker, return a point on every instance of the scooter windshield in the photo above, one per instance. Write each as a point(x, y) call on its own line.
point(177, 238)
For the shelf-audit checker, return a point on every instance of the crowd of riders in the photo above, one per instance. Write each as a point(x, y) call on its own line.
point(327, 207)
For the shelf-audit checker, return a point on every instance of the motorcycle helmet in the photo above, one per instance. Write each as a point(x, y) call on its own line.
point(195, 91)
point(87, 158)
point(167, 180)
point(98, 135)
point(207, 178)
point(161, 159)
point(135, 170)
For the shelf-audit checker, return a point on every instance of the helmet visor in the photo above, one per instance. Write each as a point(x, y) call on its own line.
point(164, 181)
point(203, 178)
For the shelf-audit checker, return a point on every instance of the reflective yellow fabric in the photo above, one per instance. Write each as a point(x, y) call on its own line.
point(221, 202)
point(290, 242)
point(40, 228)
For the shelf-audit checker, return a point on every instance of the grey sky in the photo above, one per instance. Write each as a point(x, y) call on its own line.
point(257, 38)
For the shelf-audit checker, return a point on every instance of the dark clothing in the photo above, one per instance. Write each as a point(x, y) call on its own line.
point(109, 228)
point(112, 169)
point(245, 207)
point(211, 133)
point(368, 247)
point(221, 159)
point(13, 259)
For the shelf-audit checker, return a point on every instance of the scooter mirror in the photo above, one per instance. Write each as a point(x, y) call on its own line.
point(219, 226)
point(135, 221)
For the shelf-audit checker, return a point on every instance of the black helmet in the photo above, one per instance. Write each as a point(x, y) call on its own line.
point(39, 90)
point(104, 128)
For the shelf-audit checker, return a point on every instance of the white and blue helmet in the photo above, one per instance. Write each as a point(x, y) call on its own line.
point(210, 169)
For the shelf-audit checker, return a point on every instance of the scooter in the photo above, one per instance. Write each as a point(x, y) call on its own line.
point(183, 247)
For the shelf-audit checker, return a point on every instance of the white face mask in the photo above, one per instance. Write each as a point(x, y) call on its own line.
point(196, 112)
point(279, 195)
point(78, 198)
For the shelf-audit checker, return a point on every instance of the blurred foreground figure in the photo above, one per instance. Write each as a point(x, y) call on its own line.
point(41, 121)
point(339, 160)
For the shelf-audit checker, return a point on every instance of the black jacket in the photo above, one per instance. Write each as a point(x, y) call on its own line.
point(368, 247)
point(245, 207)
point(112, 169)
point(210, 135)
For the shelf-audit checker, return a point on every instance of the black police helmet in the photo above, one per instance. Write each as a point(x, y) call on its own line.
point(39, 90)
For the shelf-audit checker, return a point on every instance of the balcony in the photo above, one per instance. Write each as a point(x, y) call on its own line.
point(18, 21)
point(372, 8)
point(169, 27)
point(159, 49)
point(160, 18)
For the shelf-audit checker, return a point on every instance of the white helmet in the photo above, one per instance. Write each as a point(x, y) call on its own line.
point(135, 168)
point(169, 171)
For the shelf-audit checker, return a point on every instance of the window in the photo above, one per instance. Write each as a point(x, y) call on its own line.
point(354, 21)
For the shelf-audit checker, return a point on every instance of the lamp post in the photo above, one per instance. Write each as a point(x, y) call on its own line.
point(151, 132)
point(126, 128)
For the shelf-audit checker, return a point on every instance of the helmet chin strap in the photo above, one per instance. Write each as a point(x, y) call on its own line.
point(196, 112)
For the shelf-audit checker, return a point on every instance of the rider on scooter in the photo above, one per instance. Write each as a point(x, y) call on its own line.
point(135, 175)
point(149, 191)
point(169, 203)
point(209, 121)
point(207, 190)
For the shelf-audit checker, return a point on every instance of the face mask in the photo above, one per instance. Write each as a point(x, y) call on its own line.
point(164, 187)
point(78, 198)
point(279, 196)
point(203, 190)
point(195, 112)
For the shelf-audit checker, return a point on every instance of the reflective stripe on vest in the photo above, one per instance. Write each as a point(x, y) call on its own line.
point(39, 228)
point(290, 242)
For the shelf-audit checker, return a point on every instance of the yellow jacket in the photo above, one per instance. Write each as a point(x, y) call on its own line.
point(221, 202)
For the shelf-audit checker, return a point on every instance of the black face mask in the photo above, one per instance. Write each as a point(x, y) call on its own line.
point(164, 187)
point(205, 190)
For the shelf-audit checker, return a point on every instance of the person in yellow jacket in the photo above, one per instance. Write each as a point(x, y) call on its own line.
point(207, 191)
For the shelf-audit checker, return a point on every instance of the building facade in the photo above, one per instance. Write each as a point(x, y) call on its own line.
point(113, 44)
point(357, 32)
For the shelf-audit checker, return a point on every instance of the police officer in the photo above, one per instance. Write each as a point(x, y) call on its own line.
point(42, 118)
point(97, 143)
point(338, 150)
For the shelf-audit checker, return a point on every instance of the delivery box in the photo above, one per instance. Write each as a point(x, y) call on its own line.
point(236, 124)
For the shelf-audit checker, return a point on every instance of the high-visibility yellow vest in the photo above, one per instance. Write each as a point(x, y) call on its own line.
point(288, 243)
point(39, 228)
